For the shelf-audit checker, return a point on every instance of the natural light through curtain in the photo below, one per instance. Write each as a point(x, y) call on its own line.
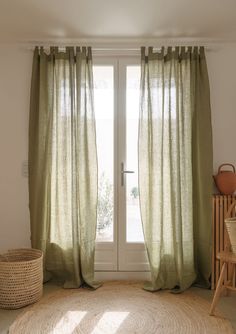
point(134, 231)
point(174, 121)
point(110, 322)
point(63, 164)
point(104, 114)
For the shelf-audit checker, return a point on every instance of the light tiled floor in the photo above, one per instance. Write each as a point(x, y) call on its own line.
point(227, 305)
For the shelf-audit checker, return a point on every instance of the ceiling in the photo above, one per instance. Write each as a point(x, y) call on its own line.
point(53, 20)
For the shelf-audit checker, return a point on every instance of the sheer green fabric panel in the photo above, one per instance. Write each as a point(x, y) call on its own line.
point(39, 155)
point(202, 157)
point(63, 164)
point(165, 166)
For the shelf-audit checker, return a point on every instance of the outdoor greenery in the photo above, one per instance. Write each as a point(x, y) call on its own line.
point(105, 202)
point(134, 192)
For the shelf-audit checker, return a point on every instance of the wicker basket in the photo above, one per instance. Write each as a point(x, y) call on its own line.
point(21, 277)
point(231, 228)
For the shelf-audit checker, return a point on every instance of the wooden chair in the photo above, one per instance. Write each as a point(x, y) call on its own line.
point(227, 279)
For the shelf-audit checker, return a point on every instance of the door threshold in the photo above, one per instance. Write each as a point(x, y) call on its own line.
point(122, 275)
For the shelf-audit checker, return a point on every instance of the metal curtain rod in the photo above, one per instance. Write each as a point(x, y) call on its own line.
point(115, 48)
point(116, 51)
point(128, 45)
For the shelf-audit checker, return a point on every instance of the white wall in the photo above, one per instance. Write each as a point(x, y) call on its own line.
point(222, 75)
point(15, 75)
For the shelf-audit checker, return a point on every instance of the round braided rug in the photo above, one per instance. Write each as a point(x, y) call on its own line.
point(119, 307)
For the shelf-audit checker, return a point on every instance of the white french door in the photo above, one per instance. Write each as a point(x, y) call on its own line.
point(120, 243)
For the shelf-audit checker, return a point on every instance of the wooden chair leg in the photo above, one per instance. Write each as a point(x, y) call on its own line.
point(231, 281)
point(218, 288)
point(230, 277)
point(234, 274)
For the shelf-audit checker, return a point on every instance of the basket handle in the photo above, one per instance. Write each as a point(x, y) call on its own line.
point(227, 164)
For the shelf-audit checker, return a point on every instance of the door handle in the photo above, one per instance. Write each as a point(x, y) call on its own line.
point(123, 172)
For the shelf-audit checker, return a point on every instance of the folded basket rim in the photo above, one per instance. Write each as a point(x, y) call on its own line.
point(38, 254)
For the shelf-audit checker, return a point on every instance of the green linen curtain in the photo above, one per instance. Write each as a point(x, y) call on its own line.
point(63, 164)
point(175, 166)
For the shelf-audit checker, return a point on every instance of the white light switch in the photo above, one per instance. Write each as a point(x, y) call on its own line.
point(24, 168)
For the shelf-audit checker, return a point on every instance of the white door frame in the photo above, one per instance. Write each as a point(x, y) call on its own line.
point(131, 256)
point(106, 255)
point(119, 259)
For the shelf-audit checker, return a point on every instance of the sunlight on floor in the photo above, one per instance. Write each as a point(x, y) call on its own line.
point(69, 322)
point(110, 322)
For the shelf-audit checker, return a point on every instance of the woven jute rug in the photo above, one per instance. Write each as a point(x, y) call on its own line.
point(120, 307)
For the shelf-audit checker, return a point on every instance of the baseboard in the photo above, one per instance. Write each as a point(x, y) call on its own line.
point(122, 275)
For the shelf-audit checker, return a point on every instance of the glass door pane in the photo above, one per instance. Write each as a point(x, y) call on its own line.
point(134, 232)
point(104, 114)
point(119, 241)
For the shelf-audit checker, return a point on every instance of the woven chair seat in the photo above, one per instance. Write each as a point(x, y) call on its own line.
point(226, 257)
